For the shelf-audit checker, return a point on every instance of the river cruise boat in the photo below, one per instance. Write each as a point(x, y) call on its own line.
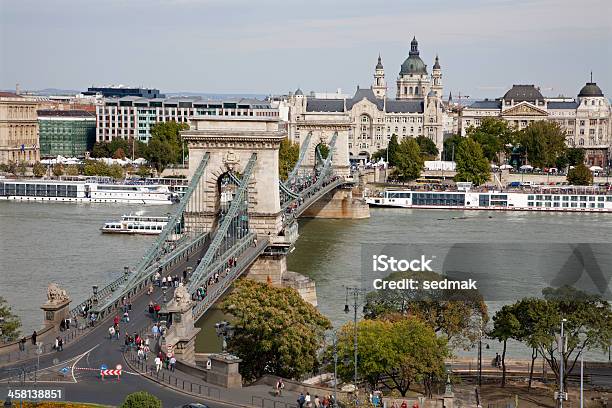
point(136, 224)
point(84, 192)
point(566, 198)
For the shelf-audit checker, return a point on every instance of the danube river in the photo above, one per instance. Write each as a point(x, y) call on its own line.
point(42, 243)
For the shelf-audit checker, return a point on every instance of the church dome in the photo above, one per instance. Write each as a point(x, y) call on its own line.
point(413, 64)
point(590, 89)
point(298, 92)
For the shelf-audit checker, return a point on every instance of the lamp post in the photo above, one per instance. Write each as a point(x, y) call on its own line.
point(355, 293)
point(94, 288)
point(164, 290)
point(126, 273)
point(561, 364)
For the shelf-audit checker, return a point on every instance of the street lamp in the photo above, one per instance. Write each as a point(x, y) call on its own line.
point(354, 292)
point(561, 347)
point(164, 290)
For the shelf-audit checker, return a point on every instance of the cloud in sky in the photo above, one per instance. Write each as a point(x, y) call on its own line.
point(275, 46)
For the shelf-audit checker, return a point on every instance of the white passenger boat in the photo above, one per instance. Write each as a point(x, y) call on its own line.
point(136, 224)
point(85, 191)
point(566, 198)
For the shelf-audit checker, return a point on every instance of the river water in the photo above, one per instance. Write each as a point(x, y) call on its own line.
point(42, 243)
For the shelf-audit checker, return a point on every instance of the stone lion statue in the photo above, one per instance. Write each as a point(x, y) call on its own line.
point(181, 296)
point(55, 294)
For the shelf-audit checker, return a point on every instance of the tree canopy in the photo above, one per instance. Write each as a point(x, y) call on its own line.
point(493, 135)
point(543, 142)
point(99, 168)
point(505, 326)
point(288, 156)
point(455, 313)
point(472, 165)
point(451, 144)
point(580, 176)
point(39, 169)
point(395, 353)
point(11, 324)
point(407, 160)
point(165, 145)
point(276, 331)
point(429, 150)
point(141, 399)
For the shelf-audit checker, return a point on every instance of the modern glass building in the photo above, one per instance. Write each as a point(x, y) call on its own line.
point(69, 133)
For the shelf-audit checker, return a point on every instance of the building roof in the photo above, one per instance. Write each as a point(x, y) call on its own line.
point(520, 93)
point(9, 95)
point(379, 65)
point(590, 89)
point(366, 93)
point(486, 104)
point(324, 105)
point(413, 64)
point(73, 113)
point(562, 105)
point(404, 106)
point(298, 92)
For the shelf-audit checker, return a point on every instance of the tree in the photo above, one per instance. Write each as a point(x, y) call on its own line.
point(119, 153)
point(72, 170)
point(580, 176)
point(144, 171)
point(543, 142)
point(408, 160)
point(455, 313)
point(39, 169)
point(574, 156)
point(428, 148)
point(493, 135)
point(393, 146)
point(450, 147)
point(165, 146)
point(395, 353)
point(505, 326)
point(141, 399)
point(288, 155)
point(22, 168)
point(379, 154)
point(115, 171)
point(588, 325)
point(100, 149)
point(275, 330)
point(58, 169)
point(9, 323)
point(471, 163)
point(324, 150)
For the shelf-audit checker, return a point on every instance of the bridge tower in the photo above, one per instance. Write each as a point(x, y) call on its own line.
point(320, 131)
point(230, 142)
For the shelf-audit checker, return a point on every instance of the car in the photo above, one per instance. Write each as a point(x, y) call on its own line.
point(193, 405)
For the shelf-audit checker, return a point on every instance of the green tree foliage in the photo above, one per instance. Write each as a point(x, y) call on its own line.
point(393, 147)
point(471, 163)
point(72, 170)
point(394, 353)
point(429, 150)
point(455, 313)
point(575, 156)
point(492, 135)
point(276, 331)
point(408, 160)
point(379, 154)
point(288, 156)
point(11, 167)
point(543, 142)
point(22, 168)
point(141, 399)
point(588, 326)
point(100, 149)
point(99, 168)
point(449, 151)
point(144, 171)
point(11, 324)
point(505, 326)
point(58, 169)
point(111, 149)
point(324, 150)
point(165, 146)
point(39, 169)
point(580, 176)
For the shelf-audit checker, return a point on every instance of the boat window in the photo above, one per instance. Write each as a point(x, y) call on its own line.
point(608, 198)
point(600, 198)
point(530, 197)
point(530, 203)
point(566, 198)
point(574, 198)
point(583, 198)
point(547, 198)
point(556, 198)
point(574, 204)
point(600, 205)
point(591, 198)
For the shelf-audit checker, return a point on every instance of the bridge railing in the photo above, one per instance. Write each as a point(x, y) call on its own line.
point(244, 259)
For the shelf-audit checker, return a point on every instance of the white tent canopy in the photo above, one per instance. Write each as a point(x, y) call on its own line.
point(526, 167)
point(595, 168)
point(506, 166)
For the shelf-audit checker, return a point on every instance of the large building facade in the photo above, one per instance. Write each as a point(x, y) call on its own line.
point(374, 117)
point(70, 133)
point(585, 119)
point(18, 129)
point(132, 117)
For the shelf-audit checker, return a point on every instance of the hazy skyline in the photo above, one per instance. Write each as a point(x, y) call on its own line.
point(267, 46)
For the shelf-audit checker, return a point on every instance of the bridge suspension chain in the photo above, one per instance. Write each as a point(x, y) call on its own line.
point(231, 218)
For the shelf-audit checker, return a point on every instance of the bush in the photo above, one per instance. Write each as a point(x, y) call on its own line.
point(141, 399)
point(39, 169)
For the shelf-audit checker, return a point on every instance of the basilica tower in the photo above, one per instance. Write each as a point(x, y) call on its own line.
point(436, 78)
point(413, 81)
point(380, 85)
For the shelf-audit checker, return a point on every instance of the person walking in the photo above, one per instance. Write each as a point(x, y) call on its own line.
point(111, 332)
point(279, 387)
point(22, 344)
point(301, 400)
point(155, 331)
point(307, 400)
point(60, 344)
point(56, 345)
point(34, 338)
point(158, 364)
point(172, 363)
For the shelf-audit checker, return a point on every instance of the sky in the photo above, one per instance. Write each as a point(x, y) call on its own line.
point(275, 46)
